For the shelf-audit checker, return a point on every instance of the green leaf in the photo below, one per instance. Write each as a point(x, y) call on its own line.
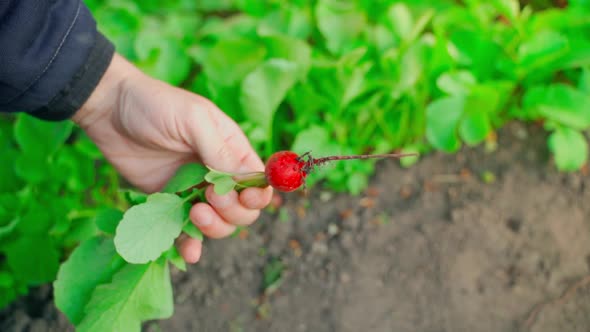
point(411, 69)
point(161, 55)
point(92, 263)
point(356, 182)
point(7, 295)
point(509, 8)
point(120, 23)
point(185, 177)
point(135, 197)
point(474, 126)
point(181, 25)
point(74, 169)
point(174, 257)
point(80, 230)
point(482, 103)
point(578, 54)
point(456, 83)
point(222, 182)
point(272, 274)
point(315, 139)
point(7, 229)
point(136, 293)
point(291, 21)
point(569, 147)
point(442, 118)
point(40, 138)
point(476, 50)
point(400, 19)
point(10, 208)
point(542, 49)
point(264, 89)
point(291, 49)
point(86, 146)
point(149, 229)
point(241, 55)
point(355, 85)
point(34, 259)
point(6, 279)
point(36, 220)
point(31, 168)
point(560, 103)
point(191, 230)
point(340, 23)
point(10, 182)
point(107, 220)
point(409, 161)
point(584, 82)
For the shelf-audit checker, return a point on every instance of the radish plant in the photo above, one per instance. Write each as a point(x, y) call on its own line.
point(116, 280)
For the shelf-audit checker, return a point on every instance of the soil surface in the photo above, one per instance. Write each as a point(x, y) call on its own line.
point(431, 248)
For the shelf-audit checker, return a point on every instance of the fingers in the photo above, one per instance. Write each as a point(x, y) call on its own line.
point(256, 198)
point(220, 217)
point(218, 140)
point(190, 249)
point(221, 221)
point(209, 222)
point(230, 209)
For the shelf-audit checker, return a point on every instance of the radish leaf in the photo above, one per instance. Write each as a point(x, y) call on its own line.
point(222, 182)
point(92, 263)
point(136, 293)
point(186, 176)
point(264, 89)
point(191, 230)
point(442, 117)
point(149, 229)
point(569, 147)
point(107, 220)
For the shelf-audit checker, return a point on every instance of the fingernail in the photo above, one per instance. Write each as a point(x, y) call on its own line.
point(204, 221)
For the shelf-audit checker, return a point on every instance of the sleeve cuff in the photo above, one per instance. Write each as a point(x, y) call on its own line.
point(68, 101)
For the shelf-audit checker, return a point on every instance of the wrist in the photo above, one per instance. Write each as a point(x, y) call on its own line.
point(105, 97)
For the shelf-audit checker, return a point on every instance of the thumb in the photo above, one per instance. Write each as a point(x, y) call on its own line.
point(220, 143)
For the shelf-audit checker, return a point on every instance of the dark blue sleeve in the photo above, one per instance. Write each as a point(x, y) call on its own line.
point(51, 57)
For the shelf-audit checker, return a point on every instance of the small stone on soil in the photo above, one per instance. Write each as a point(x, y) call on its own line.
point(333, 229)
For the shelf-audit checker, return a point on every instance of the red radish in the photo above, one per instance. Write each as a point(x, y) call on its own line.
point(286, 171)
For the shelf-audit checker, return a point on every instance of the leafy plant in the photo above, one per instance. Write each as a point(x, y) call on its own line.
point(377, 75)
point(50, 177)
point(120, 277)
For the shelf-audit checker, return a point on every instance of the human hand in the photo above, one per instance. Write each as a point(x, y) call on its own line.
point(147, 129)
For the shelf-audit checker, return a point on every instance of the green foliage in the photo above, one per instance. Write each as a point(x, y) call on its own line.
point(149, 229)
point(262, 92)
point(136, 293)
point(94, 262)
point(185, 177)
point(50, 177)
point(570, 148)
point(115, 280)
point(222, 182)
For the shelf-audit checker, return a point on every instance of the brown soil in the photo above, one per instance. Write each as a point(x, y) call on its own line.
point(430, 248)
